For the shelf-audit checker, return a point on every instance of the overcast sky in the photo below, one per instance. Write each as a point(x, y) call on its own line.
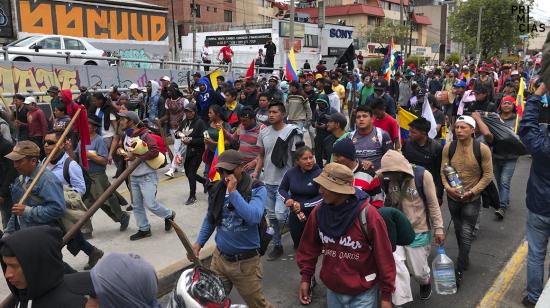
point(541, 10)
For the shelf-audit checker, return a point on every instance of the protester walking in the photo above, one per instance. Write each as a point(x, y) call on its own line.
point(175, 104)
point(371, 143)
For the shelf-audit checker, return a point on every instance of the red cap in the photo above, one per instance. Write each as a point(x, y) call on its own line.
point(509, 99)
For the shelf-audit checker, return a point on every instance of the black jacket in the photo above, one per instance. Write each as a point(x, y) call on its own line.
point(197, 138)
point(270, 49)
point(7, 170)
point(38, 251)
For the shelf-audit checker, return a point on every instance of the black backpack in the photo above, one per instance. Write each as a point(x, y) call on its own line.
point(265, 236)
point(67, 176)
point(490, 197)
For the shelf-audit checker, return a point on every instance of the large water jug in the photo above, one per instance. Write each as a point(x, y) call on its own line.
point(444, 273)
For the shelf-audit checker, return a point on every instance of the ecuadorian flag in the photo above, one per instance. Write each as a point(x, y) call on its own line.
point(404, 118)
point(291, 68)
point(213, 174)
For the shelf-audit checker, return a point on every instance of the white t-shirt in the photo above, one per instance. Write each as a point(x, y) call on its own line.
point(102, 132)
point(206, 52)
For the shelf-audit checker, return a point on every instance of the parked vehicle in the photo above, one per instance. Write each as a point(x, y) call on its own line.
point(42, 46)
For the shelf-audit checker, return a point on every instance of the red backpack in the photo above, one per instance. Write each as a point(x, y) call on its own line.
point(160, 143)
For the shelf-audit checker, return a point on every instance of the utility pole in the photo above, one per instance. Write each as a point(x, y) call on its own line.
point(321, 25)
point(194, 18)
point(479, 33)
point(292, 16)
point(401, 38)
point(174, 31)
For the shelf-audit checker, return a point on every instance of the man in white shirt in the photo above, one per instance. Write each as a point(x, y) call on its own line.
point(205, 55)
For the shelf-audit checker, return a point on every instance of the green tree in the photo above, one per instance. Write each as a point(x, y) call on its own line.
point(499, 25)
point(383, 32)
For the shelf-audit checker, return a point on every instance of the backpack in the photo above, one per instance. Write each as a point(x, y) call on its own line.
point(67, 176)
point(490, 197)
point(160, 143)
point(379, 135)
point(265, 235)
point(403, 230)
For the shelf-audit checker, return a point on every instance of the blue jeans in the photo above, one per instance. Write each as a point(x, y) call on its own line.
point(144, 191)
point(504, 170)
point(367, 299)
point(277, 212)
point(538, 232)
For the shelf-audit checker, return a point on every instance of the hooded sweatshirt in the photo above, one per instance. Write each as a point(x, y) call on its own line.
point(406, 198)
point(152, 102)
point(351, 264)
point(67, 99)
point(207, 98)
point(38, 251)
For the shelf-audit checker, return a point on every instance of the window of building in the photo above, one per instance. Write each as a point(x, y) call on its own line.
point(386, 5)
point(311, 40)
point(197, 10)
point(373, 21)
point(227, 16)
point(215, 10)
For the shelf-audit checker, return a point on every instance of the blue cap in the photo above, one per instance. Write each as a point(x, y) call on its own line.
point(441, 250)
point(460, 84)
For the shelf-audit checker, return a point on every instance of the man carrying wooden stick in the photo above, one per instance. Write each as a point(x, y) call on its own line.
point(46, 205)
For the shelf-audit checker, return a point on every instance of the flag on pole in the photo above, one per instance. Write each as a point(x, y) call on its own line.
point(428, 114)
point(213, 174)
point(404, 118)
point(520, 103)
point(347, 57)
point(250, 70)
point(291, 68)
point(213, 78)
point(389, 61)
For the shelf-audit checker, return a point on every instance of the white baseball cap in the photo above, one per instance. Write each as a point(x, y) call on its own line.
point(468, 120)
point(134, 86)
point(29, 100)
point(165, 78)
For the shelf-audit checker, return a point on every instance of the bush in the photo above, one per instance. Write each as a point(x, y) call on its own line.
point(374, 64)
point(453, 58)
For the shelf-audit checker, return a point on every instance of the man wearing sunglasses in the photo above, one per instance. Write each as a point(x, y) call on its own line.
point(235, 210)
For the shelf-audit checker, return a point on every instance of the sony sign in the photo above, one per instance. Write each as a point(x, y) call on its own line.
point(340, 33)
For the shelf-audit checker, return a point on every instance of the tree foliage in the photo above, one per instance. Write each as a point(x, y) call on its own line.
point(499, 25)
point(383, 32)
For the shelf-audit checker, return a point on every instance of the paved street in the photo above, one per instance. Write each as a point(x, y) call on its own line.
point(496, 243)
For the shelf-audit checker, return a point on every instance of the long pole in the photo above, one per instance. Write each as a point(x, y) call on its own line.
point(401, 38)
point(175, 43)
point(194, 15)
point(479, 31)
point(292, 13)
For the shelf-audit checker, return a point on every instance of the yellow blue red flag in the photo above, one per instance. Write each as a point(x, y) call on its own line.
point(213, 174)
point(404, 118)
point(291, 68)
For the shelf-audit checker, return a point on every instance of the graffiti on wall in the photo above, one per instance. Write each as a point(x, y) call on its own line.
point(91, 21)
point(137, 54)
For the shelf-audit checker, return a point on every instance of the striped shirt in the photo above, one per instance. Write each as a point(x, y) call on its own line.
point(248, 139)
point(368, 182)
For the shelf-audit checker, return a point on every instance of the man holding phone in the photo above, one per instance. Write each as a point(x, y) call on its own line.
point(235, 209)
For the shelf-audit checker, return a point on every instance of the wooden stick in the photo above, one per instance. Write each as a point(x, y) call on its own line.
point(49, 158)
point(186, 243)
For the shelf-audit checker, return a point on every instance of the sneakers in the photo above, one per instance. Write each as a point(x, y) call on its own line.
point(425, 291)
point(458, 277)
point(170, 173)
point(191, 200)
point(140, 234)
point(93, 258)
point(528, 303)
point(500, 213)
point(275, 253)
point(167, 224)
point(124, 221)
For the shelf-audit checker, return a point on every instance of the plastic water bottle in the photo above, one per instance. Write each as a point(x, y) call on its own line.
point(453, 178)
point(444, 273)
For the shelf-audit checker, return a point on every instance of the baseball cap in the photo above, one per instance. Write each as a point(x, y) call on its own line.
point(229, 160)
point(460, 84)
point(514, 72)
point(29, 100)
point(336, 178)
point(165, 78)
point(339, 118)
point(468, 120)
point(344, 147)
point(190, 107)
point(23, 149)
point(323, 98)
point(380, 85)
point(130, 115)
point(53, 89)
point(134, 86)
point(318, 76)
point(197, 74)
